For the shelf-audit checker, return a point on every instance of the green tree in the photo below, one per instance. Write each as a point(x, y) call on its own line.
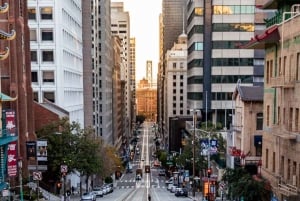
point(242, 184)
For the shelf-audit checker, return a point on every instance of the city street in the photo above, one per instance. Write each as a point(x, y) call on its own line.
point(128, 189)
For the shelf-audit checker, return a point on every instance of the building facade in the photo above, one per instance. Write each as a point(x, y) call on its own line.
point(56, 54)
point(120, 26)
point(215, 31)
point(244, 140)
point(281, 148)
point(16, 102)
point(132, 79)
point(176, 81)
point(102, 70)
point(146, 97)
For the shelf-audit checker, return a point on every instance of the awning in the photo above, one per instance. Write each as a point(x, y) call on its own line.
point(4, 97)
point(261, 41)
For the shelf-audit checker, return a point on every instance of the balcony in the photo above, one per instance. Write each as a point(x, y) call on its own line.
point(287, 189)
point(282, 81)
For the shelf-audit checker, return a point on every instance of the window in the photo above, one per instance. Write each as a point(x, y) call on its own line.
point(47, 35)
point(32, 35)
point(267, 158)
point(174, 91)
point(174, 77)
point(268, 115)
point(46, 13)
point(47, 56)
point(36, 96)
point(174, 65)
point(33, 56)
point(34, 76)
point(31, 14)
point(259, 121)
point(48, 76)
point(49, 96)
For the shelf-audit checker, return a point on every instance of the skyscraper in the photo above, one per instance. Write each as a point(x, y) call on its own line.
point(56, 54)
point(120, 26)
point(216, 30)
point(102, 65)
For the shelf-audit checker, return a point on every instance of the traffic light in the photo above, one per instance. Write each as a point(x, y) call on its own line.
point(208, 172)
point(147, 168)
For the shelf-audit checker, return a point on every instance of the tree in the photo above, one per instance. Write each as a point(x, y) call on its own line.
point(241, 184)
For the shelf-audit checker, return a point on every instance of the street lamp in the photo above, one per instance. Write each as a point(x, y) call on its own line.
point(20, 178)
point(194, 147)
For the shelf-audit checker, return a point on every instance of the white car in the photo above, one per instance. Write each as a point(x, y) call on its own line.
point(98, 191)
point(88, 196)
point(170, 181)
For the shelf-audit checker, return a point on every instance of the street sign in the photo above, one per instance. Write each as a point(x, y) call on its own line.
point(63, 168)
point(37, 176)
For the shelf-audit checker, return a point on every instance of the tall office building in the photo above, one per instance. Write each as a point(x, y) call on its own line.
point(56, 54)
point(102, 70)
point(132, 78)
point(216, 30)
point(170, 22)
point(149, 71)
point(176, 80)
point(173, 12)
point(87, 63)
point(120, 26)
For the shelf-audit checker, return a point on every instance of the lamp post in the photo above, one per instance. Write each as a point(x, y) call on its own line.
point(20, 178)
point(194, 147)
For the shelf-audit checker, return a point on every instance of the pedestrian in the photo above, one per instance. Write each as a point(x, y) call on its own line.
point(149, 197)
point(72, 189)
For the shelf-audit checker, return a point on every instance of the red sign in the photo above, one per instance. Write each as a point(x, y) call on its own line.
point(233, 151)
point(12, 159)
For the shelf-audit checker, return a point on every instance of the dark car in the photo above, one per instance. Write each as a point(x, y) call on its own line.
point(162, 173)
point(181, 192)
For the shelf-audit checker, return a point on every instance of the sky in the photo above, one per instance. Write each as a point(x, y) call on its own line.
point(144, 26)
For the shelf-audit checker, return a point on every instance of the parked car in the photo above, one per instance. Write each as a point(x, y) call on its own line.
point(105, 189)
point(110, 187)
point(98, 191)
point(173, 189)
point(181, 192)
point(88, 196)
point(169, 187)
point(162, 173)
point(169, 181)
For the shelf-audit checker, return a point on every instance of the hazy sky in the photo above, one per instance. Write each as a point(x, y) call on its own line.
point(144, 26)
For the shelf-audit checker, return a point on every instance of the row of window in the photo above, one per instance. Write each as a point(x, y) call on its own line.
point(289, 118)
point(45, 35)
point(47, 76)
point(196, 46)
point(222, 62)
point(233, 9)
point(47, 56)
point(287, 66)
point(227, 79)
point(287, 167)
point(46, 13)
point(215, 96)
point(236, 27)
point(49, 95)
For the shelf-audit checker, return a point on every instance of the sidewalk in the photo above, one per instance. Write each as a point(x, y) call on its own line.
point(198, 196)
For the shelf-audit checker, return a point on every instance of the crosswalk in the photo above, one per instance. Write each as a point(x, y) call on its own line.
point(132, 183)
point(139, 186)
